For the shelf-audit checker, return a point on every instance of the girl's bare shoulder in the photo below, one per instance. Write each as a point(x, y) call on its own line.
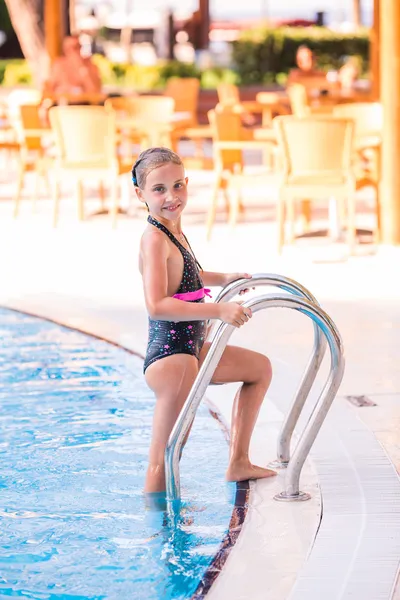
point(153, 240)
point(153, 243)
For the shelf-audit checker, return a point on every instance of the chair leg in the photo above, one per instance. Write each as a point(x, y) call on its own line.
point(378, 230)
point(20, 183)
point(102, 195)
point(224, 187)
point(280, 217)
point(212, 211)
point(79, 197)
point(306, 215)
point(47, 183)
point(199, 151)
point(235, 202)
point(56, 201)
point(291, 218)
point(35, 196)
point(114, 202)
point(351, 223)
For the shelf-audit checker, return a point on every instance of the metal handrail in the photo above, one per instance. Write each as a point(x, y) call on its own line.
point(314, 362)
point(206, 372)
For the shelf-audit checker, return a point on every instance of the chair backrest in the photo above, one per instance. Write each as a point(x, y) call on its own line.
point(298, 99)
point(226, 127)
point(185, 92)
point(122, 105)
point(367, 117)
point(30, 117)
point(152, 110)
point(28, 96)
point(17, 98)
point(315, 145)
point(228, 94)
point(84, 135)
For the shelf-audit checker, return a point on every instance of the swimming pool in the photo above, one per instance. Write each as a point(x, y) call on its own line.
point(74, 433)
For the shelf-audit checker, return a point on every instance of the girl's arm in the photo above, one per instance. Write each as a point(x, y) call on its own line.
point(159, 305)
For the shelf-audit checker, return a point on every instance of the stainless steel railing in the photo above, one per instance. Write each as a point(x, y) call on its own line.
point(205, 374)
point(313, 365)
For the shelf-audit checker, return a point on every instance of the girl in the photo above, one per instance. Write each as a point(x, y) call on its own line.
point(174, 293)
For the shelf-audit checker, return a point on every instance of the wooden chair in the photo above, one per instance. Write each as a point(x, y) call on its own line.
point(230, 139)
point(228, 95)
point(368, 125)
point(124, 109)
point(302, 105)
point(185, 92)
point(32, 155)
point(321, 168)
point(152, 118)
point(10, 114)
point(86, 141)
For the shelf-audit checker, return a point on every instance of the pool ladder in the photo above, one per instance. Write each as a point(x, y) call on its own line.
point(325, 332)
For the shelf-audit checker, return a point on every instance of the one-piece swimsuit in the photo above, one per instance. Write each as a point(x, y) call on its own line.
point(182, 337)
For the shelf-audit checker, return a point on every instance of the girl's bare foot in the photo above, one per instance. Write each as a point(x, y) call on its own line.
point(243, 470)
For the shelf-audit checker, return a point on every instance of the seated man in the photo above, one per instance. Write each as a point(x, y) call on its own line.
point(72, 73)
point(306, 74)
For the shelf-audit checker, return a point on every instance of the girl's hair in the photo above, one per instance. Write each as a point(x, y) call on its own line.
point(149, 160)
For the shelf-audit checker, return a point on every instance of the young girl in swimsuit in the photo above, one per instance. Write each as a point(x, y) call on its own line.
point(174, 293)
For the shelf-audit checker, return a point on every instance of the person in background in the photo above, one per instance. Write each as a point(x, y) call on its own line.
point(72, 73)
point(306, 71)
point(349, 73)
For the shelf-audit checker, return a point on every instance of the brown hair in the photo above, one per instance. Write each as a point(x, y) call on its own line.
point(149, 160)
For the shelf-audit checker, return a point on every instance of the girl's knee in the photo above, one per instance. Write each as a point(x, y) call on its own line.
point(264, 368)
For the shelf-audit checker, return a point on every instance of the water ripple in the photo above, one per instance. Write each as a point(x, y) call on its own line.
point(74, 434)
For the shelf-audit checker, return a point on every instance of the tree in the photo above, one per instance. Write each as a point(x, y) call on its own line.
point(34, 21)
point(26, 16)
point(357, 12)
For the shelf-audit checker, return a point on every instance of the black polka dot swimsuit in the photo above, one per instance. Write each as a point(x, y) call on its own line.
point(182, 337)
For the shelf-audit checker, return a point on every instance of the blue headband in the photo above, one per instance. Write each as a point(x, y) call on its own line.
point(134, 178)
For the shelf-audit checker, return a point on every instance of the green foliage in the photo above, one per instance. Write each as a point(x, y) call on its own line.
point(15, 72)
point(174, 68)
point(211, 78)
point(266, 55)
point(5, 21)
point(107, 74)
point(142, 78)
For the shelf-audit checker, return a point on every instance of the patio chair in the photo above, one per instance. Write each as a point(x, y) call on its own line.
point(229, 94)
point(152, 118)
point(185, 92)
point(10, 116)
point(368, 125)
point(230, 139)
point(302, 105)
point(86, 141)
point(32, 154)
point(317, 155)
point(124, 109)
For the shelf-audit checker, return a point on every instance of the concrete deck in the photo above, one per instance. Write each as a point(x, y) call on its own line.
point(345, 542)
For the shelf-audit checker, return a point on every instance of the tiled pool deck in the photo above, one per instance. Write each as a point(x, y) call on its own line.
point(345, 542)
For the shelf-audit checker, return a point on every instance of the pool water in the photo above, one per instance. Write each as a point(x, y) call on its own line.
point(74, 434)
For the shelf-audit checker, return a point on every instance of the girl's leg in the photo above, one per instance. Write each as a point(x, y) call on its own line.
point(254, 370)
point(171, 379)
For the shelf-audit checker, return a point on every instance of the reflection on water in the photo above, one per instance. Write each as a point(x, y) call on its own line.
point(74, 432)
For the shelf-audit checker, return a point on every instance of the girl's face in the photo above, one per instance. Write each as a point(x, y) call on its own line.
point(165, 191)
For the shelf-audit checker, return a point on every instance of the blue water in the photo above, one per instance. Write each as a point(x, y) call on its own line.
point(74, 434)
